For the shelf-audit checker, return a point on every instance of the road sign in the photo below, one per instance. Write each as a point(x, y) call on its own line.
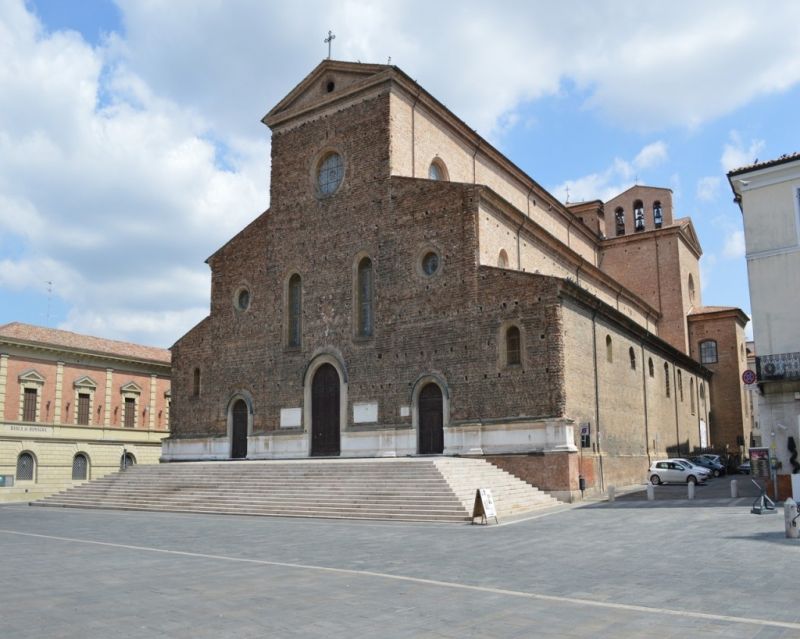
point(749, 377)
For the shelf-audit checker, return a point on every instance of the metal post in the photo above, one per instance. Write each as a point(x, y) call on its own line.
point(612, 493)
point(734, 489)
point(790, 519)
point(651, 492)
point(691, 490)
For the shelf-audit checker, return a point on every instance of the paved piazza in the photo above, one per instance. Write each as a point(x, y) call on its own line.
point(629, 569)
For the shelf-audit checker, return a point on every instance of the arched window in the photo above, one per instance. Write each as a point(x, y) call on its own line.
point(691, 394)
point(680, 386)
point(638, 216)
point(658, 215)
point(364, 291)
point(295, 310)
point(632, 356)
point(127, 460)
point(650, 366)
point(25, 467)
point(708, 352)
point(502, 259)
point(609, 350)
point(691, 289)
point(619, 218)
point(437, 170)
point(513, 352)
point(80, 467)
point(666, 378)
point(196, 383)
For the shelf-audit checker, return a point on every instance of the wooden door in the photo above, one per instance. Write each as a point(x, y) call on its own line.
point(239, 430)
point(431, 429)
point(325, 411)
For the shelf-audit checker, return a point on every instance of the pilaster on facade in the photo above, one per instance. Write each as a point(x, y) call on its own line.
point(3, 378)
point(151, 422)
point(59, 392)
point(109, 381)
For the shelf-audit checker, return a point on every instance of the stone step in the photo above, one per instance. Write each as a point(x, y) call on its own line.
point(435, 489)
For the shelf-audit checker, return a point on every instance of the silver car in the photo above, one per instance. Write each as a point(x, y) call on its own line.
point(676, 471)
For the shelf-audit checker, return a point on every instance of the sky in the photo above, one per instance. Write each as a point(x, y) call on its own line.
point(131, 145)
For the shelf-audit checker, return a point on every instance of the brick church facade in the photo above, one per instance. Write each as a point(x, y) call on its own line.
point(411, 291)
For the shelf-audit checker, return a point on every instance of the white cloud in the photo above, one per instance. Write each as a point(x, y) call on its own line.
point(651, 66)
point(651, 155)
point(734, 247)
point(615, 178)
point(117, 201)
point(737, 153)
point(708, 188)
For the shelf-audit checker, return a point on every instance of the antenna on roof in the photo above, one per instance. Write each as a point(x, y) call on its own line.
point(567, 200)
point(328, 41)
point(49, 297)
point(389, 61)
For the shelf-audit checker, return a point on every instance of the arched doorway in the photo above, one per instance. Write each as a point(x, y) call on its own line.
point(431, 415)
point(239, 429)
point(325, 404)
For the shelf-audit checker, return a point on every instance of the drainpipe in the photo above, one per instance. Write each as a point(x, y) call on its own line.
point(646, 421)
point(675, 394)
point(414, 136)
point(597, 399)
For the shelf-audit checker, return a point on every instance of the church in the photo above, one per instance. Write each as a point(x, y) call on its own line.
point(411, 291)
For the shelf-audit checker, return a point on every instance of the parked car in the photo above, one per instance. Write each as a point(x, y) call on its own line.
point(744, 467)
point(716, 468)
point(695, 467)
point(677, 470)
point(714, 458)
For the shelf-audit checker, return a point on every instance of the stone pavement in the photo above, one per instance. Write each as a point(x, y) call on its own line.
point(618, 570)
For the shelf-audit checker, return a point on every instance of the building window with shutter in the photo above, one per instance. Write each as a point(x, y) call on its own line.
point(83, 408)
point(29, 405)
point(666, 379)
point(80, 467)
point(130, 412)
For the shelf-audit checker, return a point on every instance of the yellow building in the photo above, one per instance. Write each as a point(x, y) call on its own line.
point(73, 407)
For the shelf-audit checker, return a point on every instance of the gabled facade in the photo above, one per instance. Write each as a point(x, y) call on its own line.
point(411, 291)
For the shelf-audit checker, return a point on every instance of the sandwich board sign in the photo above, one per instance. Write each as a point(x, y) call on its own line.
point(484, 506)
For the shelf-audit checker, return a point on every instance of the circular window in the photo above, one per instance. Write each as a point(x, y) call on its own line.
point(430, 263)
point(330, 173)
point(243, 299)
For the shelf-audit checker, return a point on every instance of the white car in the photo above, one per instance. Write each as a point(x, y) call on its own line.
point(677, 470)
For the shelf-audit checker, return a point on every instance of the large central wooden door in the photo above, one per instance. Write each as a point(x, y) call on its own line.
point(431, 430)
point(325, 411)
point(239, 429)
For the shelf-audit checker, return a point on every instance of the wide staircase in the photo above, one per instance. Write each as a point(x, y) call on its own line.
point(438, 489)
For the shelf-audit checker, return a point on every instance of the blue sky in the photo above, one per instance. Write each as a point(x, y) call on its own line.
point(131, 146)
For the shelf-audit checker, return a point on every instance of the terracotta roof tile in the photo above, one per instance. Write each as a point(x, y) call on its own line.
point(788, 157)
point(70, 340)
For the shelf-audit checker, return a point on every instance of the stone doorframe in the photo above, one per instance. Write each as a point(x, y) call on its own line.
point(419, 384)
point(248, 400)
point(335, 360)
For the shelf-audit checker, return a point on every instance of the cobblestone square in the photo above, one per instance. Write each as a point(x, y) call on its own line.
point(604, 570)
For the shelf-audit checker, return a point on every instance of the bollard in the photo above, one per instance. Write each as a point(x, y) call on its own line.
point(691, 490)
point(612, 493)
point(790, 519)
point(651, 492)
point(734, 489)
